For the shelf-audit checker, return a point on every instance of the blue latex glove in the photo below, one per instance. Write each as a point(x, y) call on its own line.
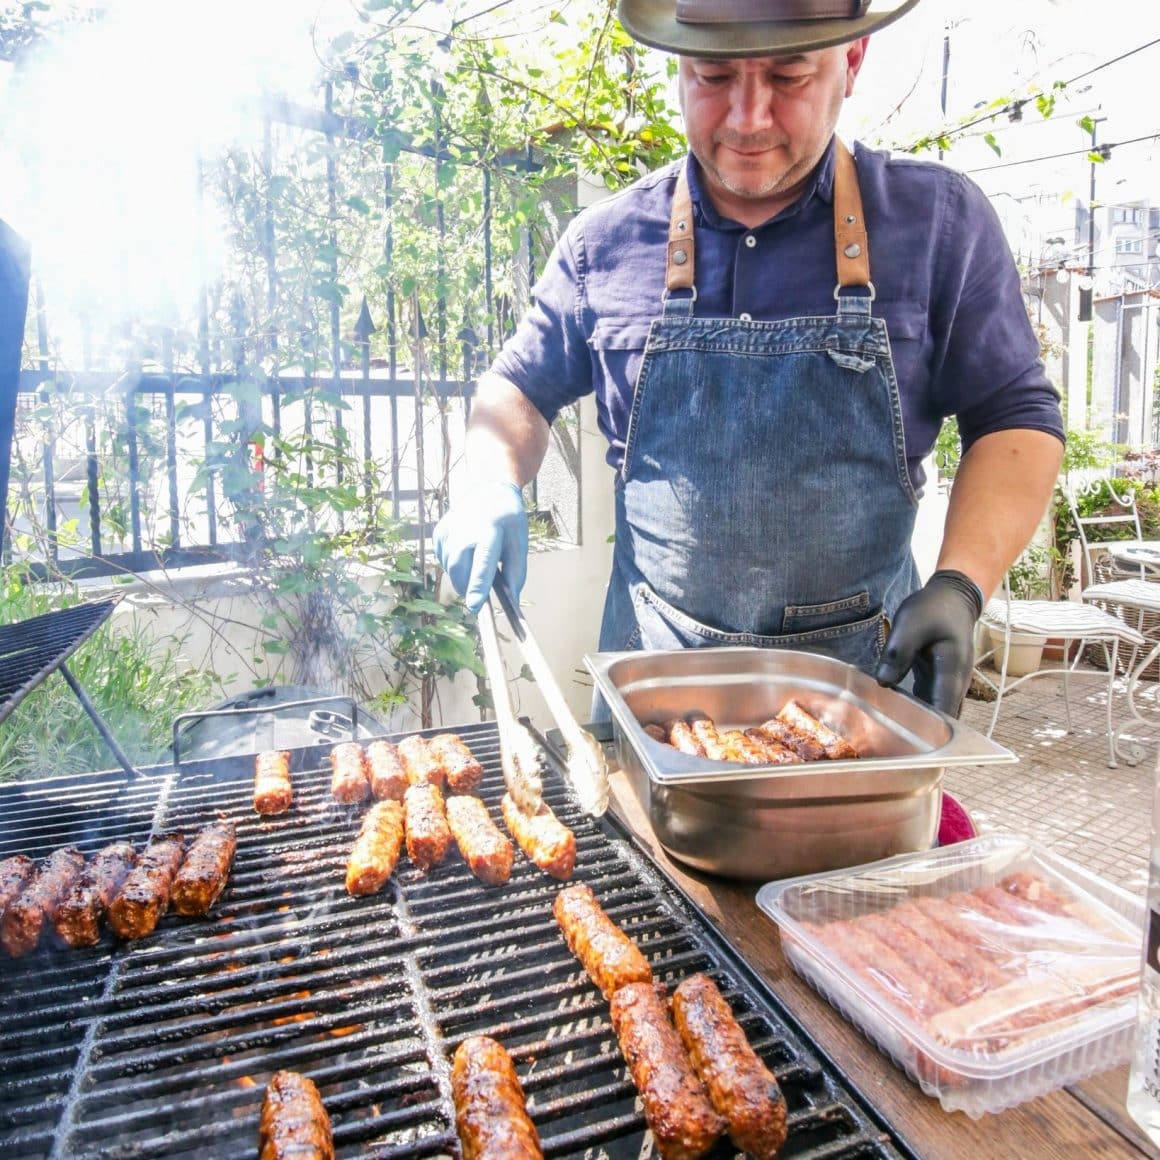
point(486, 530)
point(933, 634)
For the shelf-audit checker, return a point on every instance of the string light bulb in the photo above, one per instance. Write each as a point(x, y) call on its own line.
point(1085, 282)
point(1062, 276)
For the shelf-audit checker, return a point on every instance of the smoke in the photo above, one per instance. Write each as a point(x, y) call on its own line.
point(102, 130)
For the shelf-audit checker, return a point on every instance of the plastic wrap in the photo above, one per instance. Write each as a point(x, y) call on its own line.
point(991, 971)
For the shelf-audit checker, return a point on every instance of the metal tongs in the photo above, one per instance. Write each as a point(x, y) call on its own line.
point(521, 756)
point(587, 767)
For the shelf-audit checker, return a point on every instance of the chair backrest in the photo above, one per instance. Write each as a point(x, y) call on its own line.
point(1116, 518)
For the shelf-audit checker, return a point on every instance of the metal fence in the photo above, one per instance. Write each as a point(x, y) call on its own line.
point(107, 455)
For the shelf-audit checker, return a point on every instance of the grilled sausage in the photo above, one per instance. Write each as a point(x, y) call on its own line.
point(705, 731)
point(272, 791)
point(294, 1124)
point(610, 957)
point(681, 736)
point(485, 849)
point(834, 745)
point(656, 732)
point(206, 869)
point(490, 1115)
point(376, 850)
point(26, 916)
point(463, 771)
point(780, 733)
point(428, 834)
point(349, 782)
point(14, 875)
point(775, 751)
point(78, 918)
point(542, 837)
point(676, 1106)
point(387, 772)
point(144, 895)
point(423, 764)
point(741, 1088)
point(742, 748)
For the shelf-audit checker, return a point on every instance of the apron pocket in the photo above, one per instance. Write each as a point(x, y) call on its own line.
point(858, 642)
point(806, 617)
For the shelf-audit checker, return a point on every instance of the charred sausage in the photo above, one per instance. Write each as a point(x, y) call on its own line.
point(461, 767)
point(428, 834)
point(272, 791)
point(349, 782)
point(294, 1124)
point(205, 870)
point(542, 837)
point(387, 772)
point(834, 745)
point(14, 875)
point(422, 763)
point(741, 1088)
point(486, 850)
point(78, 918)
point(676, 1106)
point(27, 915)
point(657, 733)
point(490, 1115)
point(780, 733)
point(376, 850)
point(144, 895)
point(610, 957)
point(743, 748)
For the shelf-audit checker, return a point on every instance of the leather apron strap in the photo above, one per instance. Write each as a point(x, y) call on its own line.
point(851, 247)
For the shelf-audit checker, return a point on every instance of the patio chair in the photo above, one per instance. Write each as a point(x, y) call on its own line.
point(1074, 625)
point(1124, 524)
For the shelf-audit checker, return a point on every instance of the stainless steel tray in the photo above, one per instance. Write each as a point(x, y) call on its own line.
point(754, 821)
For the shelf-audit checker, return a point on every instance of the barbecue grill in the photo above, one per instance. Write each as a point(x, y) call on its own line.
point(163, 1047)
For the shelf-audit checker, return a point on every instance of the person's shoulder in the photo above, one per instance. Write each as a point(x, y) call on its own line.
point(907, 168)
point(904, 182)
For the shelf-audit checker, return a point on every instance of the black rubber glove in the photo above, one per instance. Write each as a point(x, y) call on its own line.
point(934, 634)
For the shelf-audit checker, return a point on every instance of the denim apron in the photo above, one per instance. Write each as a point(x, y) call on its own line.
point(764, 497)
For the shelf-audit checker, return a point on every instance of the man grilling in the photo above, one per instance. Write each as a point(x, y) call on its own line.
point(775, 329)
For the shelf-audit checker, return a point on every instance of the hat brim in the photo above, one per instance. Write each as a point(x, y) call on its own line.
point(654, 22)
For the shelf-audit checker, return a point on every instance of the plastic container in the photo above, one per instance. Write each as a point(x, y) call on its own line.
point(991, 971)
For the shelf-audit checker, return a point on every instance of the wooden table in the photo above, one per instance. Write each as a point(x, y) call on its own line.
point(1087, 1120)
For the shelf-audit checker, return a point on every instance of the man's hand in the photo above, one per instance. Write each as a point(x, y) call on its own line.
point(934, 634)
point(486, 530)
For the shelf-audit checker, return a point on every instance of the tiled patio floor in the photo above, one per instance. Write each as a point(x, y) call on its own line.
point(1062, 793)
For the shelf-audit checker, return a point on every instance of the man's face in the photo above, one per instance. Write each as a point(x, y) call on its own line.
point(759, 125)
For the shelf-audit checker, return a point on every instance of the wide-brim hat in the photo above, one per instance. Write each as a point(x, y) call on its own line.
point(733, 28)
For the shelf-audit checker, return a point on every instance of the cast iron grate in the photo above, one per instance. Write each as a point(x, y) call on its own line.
point(162, 1048)
point(31, 649)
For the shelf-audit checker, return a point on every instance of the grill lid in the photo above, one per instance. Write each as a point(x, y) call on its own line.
point(163, 1047)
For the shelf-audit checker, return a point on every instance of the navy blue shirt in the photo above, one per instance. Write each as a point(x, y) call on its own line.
point(945, 282)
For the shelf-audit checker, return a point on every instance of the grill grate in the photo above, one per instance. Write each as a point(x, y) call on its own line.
point(31, 649)
point(162, 1048)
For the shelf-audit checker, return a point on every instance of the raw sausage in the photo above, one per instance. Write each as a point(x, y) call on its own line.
point(376, 850)
point(294, 1124)
point(428, 834)
point(205, 870)
point(542, 837)
point(463, 771)
point(26, 915)
point(387, 771)
point(349, 782)
point(741, 1088)
point(78, 918)
point(490, 1115)
point(272, 791)
point(144, 895)
point(486, 850)
point(609, 956)
point(676, 1106)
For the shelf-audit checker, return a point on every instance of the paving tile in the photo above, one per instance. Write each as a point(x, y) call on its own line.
point(1062, 793)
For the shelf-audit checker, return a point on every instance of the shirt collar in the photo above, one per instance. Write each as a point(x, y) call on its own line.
point(820, 184)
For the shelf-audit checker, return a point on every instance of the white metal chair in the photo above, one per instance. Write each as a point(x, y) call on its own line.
point(1075, 625)
point(1097, 565)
